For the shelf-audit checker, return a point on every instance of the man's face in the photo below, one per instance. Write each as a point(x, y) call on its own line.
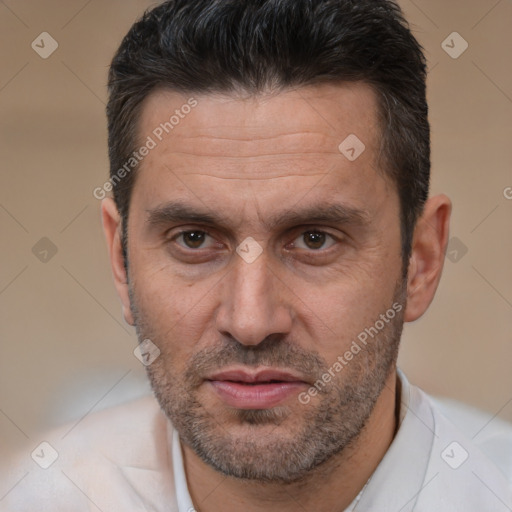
point(327, 226)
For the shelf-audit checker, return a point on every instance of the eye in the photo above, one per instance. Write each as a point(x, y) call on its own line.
point(314, 240)
point(194, 239)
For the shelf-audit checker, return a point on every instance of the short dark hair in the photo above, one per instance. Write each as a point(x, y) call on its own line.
point(207, 46)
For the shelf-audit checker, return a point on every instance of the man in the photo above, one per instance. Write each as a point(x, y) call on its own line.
point(269, 234)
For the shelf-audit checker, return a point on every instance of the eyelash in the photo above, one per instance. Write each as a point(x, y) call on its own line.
point(175, 237)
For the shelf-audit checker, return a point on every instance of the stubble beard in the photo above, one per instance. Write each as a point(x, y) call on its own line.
point(273, 445)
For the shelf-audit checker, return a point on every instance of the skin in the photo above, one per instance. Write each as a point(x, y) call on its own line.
point(247, 160)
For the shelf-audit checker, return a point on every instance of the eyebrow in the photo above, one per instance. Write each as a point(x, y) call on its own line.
point(176, 211)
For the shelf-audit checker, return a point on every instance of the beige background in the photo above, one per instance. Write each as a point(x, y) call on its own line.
point(65, 350)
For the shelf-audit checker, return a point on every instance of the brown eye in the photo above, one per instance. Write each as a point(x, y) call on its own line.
point(193, 239)
point(314, 239)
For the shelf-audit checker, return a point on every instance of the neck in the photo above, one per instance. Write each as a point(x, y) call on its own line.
point(330, 487)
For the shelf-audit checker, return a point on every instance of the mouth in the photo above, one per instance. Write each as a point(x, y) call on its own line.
point(261, 389)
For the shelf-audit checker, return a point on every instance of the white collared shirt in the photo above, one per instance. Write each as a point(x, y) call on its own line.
point(129, 459)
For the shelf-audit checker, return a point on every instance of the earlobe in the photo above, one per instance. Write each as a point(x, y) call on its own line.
point(427, 256)
point(113, 231)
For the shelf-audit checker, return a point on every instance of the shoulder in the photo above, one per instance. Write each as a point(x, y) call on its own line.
point(487, 431)
point(470, 464)
point(115, 459)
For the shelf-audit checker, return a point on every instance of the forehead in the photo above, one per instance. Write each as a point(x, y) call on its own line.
point(277, 142)
point(315, 118)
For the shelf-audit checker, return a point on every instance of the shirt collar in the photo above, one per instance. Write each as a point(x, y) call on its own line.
point(399, 477)
point(180, 481)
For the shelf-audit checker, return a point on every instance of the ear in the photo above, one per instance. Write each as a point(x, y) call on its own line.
point(427, 256)
point(113, 231)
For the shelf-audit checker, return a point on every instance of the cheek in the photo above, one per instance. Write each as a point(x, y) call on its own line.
point(335, 314)
point(174, 313)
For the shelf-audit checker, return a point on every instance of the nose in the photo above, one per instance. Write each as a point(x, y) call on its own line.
point(253, 303)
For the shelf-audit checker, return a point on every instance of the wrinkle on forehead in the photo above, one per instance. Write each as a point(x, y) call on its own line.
point(306, 120)
point(257, 178)
point(247, 168)
point(226, 140)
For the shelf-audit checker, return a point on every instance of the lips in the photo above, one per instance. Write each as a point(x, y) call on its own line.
point(263, 376)
point(261, 389)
